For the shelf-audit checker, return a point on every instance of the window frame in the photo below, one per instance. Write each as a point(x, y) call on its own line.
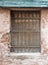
point(40, 39)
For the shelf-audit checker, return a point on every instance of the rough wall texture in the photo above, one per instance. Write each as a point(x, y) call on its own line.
point(5, 58)
point(44, 31)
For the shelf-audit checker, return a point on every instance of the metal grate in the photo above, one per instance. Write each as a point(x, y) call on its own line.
point(25, 31)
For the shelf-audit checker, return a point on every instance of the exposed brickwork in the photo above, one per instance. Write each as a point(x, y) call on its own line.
point(5, 58)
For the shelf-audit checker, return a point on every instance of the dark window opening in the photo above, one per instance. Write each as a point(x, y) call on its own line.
point(25, 31)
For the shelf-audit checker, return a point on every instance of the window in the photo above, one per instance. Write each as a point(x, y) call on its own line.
point(25, 31)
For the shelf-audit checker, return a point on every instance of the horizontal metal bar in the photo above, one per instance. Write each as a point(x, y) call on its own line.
point(25, 46)
point(27, 18)
point(23, 31)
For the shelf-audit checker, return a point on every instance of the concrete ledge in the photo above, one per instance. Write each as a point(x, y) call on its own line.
point(23, 56)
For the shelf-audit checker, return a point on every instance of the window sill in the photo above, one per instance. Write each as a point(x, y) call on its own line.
point(24, 54)
point(32, 56)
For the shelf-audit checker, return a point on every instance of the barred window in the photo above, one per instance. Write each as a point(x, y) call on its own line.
point(25, 31)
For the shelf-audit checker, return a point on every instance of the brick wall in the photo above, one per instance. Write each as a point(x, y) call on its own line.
point(5, 58)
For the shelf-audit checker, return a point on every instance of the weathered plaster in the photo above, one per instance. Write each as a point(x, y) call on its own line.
point(5, 58)
point(44, 31)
